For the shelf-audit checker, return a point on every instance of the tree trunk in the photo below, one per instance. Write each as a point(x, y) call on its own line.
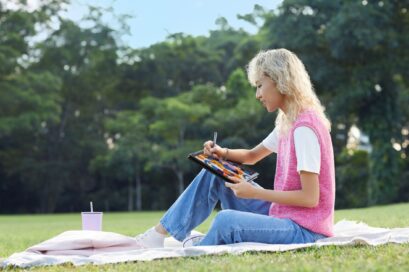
point(130, 196)
point(179, 172)
point(181, 188)
point(138, 189)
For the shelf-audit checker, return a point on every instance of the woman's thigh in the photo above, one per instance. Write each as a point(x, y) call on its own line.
point(231, 226)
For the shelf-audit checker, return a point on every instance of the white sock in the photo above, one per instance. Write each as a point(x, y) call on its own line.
point(156, 234)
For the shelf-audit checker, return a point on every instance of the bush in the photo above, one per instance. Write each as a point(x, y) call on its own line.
point(352, 174)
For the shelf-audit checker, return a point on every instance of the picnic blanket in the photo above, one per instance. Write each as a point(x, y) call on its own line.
point(99, 247)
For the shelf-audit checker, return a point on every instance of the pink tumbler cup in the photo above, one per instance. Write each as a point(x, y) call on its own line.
point(91, 220)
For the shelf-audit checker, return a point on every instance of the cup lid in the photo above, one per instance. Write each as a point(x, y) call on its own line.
point(91, 212)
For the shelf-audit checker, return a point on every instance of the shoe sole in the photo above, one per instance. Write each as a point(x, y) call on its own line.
point(190, 239)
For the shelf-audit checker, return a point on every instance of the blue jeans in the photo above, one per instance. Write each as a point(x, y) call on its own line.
point(241, 220)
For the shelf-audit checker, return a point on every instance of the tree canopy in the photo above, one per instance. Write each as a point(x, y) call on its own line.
point(84, 117)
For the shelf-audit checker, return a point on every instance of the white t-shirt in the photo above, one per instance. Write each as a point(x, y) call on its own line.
point(307, 148)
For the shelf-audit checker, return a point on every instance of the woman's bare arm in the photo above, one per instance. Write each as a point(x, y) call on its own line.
point(245, 156)
point(307, 197)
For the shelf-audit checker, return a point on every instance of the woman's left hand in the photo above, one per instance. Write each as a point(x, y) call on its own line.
point(241, 188)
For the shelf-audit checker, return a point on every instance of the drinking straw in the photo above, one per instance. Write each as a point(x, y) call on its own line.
point(92, 208)
point(214, 138)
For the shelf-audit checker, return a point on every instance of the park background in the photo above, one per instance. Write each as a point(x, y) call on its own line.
point(84, 116)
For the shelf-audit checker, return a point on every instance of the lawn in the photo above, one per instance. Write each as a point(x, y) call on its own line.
point(20, 231)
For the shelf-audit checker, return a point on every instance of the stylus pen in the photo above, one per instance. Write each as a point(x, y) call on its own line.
point(214, 138)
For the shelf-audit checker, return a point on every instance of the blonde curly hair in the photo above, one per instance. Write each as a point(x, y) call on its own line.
point(293, 81)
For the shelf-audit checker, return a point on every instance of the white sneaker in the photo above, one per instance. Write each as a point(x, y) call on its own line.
point(150, 239)
point(192, 240)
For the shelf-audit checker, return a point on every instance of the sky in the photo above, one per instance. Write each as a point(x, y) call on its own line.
point(153, 20)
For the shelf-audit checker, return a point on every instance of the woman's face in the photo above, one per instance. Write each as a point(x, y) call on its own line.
point(268, 94)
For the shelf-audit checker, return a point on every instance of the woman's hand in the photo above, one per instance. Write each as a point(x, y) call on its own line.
point(213, 150)
point(242, 188)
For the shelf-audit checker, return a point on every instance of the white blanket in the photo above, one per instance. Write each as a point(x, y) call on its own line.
point(95, 247)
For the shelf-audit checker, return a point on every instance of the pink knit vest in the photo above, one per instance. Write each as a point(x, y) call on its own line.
point(319, 219)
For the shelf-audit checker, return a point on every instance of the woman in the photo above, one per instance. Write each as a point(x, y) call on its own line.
point(300, 209)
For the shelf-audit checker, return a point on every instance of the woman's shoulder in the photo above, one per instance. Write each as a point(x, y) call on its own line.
point(311, 119)
point(307, 116)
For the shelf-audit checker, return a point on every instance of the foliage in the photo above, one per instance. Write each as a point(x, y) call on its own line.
point(83, 117)
point(352, 175)
point(362, 47)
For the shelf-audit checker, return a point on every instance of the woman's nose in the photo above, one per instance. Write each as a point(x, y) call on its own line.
point(258, 96)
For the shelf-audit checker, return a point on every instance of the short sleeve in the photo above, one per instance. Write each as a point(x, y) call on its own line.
point(307, 149)
point(271, 141)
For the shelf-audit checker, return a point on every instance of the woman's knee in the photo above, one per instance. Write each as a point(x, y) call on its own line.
point(204, 175)
point(223, 226)
point(206, 178)
point(225, 219)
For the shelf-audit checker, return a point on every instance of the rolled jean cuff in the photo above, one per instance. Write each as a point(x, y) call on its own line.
point(175, 234)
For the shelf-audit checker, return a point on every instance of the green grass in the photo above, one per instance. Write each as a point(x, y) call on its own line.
point(21, 231)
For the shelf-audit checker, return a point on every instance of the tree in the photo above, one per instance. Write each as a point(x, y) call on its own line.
point(168, 68)
point(29, 99)
point(352, 174)
point(128, 149)
point(170, 121)
point(55, 100)
point(354, 51)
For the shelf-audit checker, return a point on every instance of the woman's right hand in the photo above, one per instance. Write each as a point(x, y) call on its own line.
point(213, 150)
